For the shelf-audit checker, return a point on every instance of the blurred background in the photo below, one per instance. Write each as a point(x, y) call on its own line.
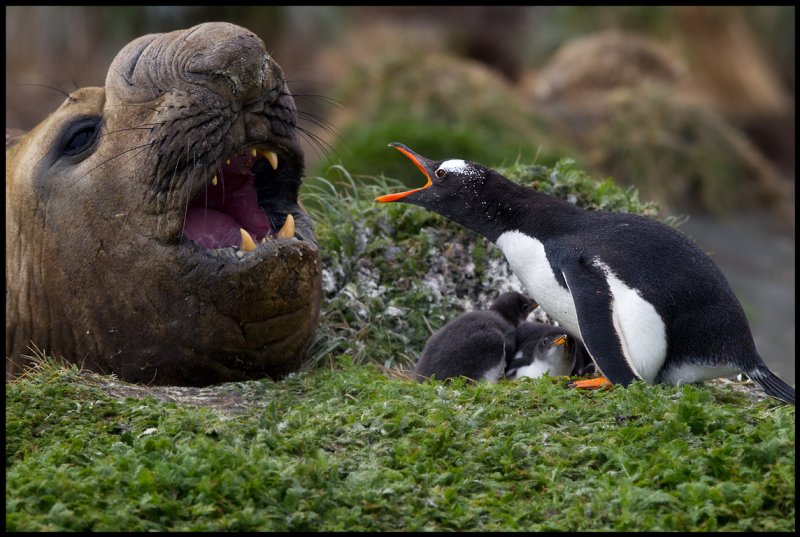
point(693, 106)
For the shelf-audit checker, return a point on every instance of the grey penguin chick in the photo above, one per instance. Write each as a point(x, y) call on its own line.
point(544, 348)
point(476, 344)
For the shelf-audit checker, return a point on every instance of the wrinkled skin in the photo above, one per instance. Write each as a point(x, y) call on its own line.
point(98, 268)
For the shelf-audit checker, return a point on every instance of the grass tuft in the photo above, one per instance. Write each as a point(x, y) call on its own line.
point(350, 449)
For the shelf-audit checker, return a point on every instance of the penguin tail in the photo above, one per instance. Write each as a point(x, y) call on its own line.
point(772, 385)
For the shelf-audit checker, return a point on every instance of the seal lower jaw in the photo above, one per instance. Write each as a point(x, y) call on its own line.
point(232, 319)
point(248, 246)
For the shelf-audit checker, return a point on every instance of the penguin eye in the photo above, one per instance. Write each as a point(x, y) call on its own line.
point(440, 173)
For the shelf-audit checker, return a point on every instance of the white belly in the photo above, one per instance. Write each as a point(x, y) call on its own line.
point(640, 328)
point(495, 373)
point(534, 370)
point(688, 373)
point(528, 261)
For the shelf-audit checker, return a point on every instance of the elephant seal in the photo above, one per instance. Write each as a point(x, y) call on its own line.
point(149, 222)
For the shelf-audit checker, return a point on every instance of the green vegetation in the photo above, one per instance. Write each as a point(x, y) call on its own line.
point(350, 443)
point(437, 105)
point(350, 449)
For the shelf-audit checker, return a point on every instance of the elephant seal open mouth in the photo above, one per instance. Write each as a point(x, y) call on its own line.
point(153, 227)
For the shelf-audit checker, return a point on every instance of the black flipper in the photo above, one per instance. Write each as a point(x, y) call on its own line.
point(592, 298)
point(517, 363)
point(772, 385)
point(510, 339)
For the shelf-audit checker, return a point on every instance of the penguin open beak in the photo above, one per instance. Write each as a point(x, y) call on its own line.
point(421, 163)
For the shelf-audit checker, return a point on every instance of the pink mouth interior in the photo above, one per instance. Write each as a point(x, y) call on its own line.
point(214, 216)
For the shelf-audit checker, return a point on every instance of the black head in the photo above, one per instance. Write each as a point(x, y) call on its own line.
point(514, 306)
point(453, 188)
point(536, 338)
point(555, 340)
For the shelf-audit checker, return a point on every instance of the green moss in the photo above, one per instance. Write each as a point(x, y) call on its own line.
point(565, 180)
point(352, 450)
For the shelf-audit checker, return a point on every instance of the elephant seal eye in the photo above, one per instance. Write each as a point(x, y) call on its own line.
point(80, 136)
point(440, 173)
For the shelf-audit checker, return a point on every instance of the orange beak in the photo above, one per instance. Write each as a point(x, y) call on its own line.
point(415, 159)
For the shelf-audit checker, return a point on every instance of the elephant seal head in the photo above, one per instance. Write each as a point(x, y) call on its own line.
point(152, 225)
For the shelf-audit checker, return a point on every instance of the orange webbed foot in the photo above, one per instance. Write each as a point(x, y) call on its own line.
point(591, 384)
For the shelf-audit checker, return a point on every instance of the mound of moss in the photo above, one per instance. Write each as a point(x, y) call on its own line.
point(351, 449)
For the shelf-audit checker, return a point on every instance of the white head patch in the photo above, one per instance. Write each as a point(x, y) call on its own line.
point(454, 165)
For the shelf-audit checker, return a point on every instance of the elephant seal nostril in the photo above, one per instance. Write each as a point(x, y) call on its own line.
point(233, 54)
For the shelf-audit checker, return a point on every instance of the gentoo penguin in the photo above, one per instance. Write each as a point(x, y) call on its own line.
point(476, 344)
point(644, 299)
point(542, 348)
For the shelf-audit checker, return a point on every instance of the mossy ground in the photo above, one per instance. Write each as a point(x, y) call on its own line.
point(350, 444)
point(353, 449)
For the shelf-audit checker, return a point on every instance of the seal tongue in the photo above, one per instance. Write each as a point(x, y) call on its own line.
point(215, 216)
